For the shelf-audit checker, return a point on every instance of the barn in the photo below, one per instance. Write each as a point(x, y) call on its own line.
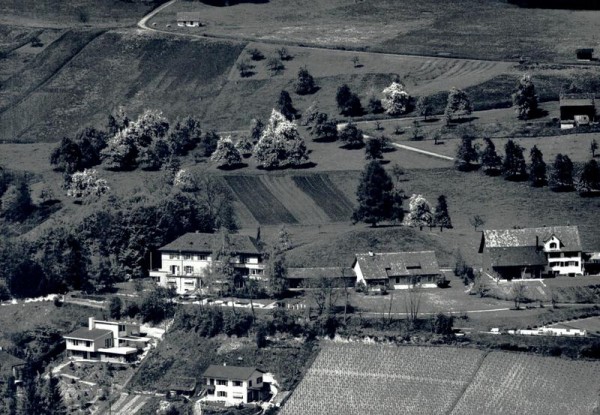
point(188, 19)
point(577, 109)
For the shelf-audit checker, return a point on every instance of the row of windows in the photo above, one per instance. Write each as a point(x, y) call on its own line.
point(416, 280)
point(82, 343)
point(564, 264)
point(222, 382)
point(189, 256)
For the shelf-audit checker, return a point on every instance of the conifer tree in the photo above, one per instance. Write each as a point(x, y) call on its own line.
point(441, 217)
point(466, 155)
point(537, 168)
point(589, 180)
point(374, 194)
point(490, 160)
point(525, 99)
point(514, 167)
point(561, 177)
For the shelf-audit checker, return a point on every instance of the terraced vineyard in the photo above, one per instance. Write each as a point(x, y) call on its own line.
point(510, 383)
point(376, 379)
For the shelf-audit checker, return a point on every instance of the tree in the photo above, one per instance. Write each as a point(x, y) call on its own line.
point(276, 272)
point(466, 155)
point(458, 105)
point(245, 68)
point(115, 307)
point(66, 156)
point(86, 185)
point(16, 204)
point(374, 195)
point(50, 397)
point(355, 61)
point(348, 102)
point(244, 145)
point(397, 172)
point(419, 213)
point(412, 303)
point(476, 221)
point(184, 137)
point(441, 217)
point(324, 129)
point(490, 160)
point(589, 180)
point(255, 54)
point(375, 106)
point(280, 144)
point(593, 147)
point(351, 136)
point(256, 129)
point(518, 294)
point(226, 155)
point(424, 107)
point(537, 168)
point(157, 305)
point(284, 54)
point(275, 66)
point(374, 149)
point(305, 83)
point(561, 177)
point(513, 166)
point(525, 99)
point(285, 107)
point(395, 99)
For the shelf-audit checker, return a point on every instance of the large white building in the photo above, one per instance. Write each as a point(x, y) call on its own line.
point(233, 385)
point(532, 252)
point(186, 260)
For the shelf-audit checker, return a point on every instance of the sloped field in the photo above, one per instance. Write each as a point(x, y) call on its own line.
point(376, 379)
point(121, 68)
point(276, 199)
point(509, 383)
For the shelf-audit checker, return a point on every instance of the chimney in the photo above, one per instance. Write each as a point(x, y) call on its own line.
point(91, 323)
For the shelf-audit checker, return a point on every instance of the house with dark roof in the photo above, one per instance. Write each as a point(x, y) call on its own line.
point(10, 366)
point(398, 270)
point(107, 341)
point(189, 19)
point(577, 109)
point(185, 261)
point(233, 385)
point(305, 277)
point(531, 252)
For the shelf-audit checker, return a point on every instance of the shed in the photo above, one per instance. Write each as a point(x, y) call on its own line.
point(576, 107)
point(585, 54)
point(298, 277)
point(189, 19)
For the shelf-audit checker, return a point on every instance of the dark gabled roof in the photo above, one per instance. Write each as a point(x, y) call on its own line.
point(230, 372)
point(577, 100)
point(8, 361)
point(85, 333)
point(396, 264)
point(183, 384)
point(517, 257)
point(207, 242)
point(188, 16)
point(512, 238)
point(322, 272)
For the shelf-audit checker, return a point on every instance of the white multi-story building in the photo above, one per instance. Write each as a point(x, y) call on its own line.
point(532, 252)
point(186, 261)
point(233, 385)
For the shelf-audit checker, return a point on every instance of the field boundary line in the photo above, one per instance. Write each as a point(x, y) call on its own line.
point(390, 376)
point(468, 383)
point(427, 153)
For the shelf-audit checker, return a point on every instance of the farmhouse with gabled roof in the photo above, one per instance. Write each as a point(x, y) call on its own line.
point(532, 252)
point(186, 259)
point(397, 270)
point(233, 385)
point(303, 277)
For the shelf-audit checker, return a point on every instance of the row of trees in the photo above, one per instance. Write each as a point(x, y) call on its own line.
point(560, 177)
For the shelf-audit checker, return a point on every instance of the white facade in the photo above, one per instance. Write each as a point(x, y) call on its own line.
point(233, 391)
point(562, 263)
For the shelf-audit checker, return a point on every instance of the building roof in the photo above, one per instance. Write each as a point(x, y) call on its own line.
point(188, 16)
point(529, 237)
point(8, 361)
point(183, 384)
point(322, 272)
point(577, 100)
point(517, 257)
point(207, 242)
point(230, 372)
point(395, 264)
point(85, 333)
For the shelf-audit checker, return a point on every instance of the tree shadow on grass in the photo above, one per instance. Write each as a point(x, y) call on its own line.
point(233, 167)
point(540, 113)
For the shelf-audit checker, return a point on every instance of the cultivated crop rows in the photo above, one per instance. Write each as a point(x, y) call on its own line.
point(326, 195)
point(360, 379)
point(510, 383)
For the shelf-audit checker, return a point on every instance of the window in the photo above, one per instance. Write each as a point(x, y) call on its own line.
point(222, 394)
point(188, 269)
point(212, 381)
point(173, 256)
point(221, 382)
point(259, 380)
point(202, 257)
point(211, 392)
point(108, 343)
point(121, 327)
point(187, 256)
point(552, 245)
point(88, 344)
point(238, 396)
point(237, 383)
point(397, 280)
point(75, 342)
point(249, 383)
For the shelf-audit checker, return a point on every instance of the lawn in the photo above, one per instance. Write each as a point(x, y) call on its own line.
point(501, 30)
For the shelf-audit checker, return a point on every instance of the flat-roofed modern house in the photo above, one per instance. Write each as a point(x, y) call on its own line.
point(576, 110)
point(107, 341)
point(397, 270)
point(531, 252)
point(233, 385)
point(184, 261)
point(188, 19)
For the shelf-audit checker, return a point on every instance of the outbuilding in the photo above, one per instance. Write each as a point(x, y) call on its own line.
point(188, 19)
point(577, 109)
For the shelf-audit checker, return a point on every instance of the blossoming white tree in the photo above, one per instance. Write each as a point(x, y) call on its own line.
point(395, 99)
point(419, 212)
point(226, 154)
point(86, 185)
